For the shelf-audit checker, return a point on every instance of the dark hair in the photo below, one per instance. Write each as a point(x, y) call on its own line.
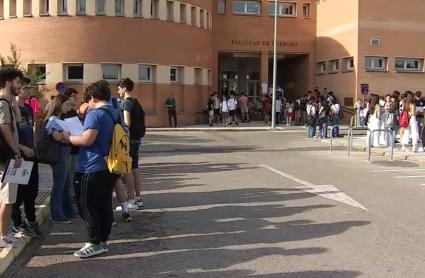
point(55, 110)
point(97, 92)
point(418, 93)
point(409, 100)
point(374, 100)
point(68, 92)
point(126, 83)
point(52, 97)
point(9, 74)
point(25, 81)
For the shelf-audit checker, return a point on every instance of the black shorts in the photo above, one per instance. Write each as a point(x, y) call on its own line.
point(232, 112)
point(134, 153)
point(217, 112)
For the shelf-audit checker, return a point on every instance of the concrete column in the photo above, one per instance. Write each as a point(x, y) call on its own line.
point(20, 8)
point(198, 16)
point(130, 71)
point(205, 77)
point(188, 77)
point(129, 8)
point(162, 13)
point(6, 9)
point(35, 8)
point(146, 9)
point(54, 73)
point(162, 74)
point(91, 8)
point(53, 8)
point(92, 73)
point(188, 14)
point(176, 11)
point(264, 68)
point(72, 7)
point(110, 8)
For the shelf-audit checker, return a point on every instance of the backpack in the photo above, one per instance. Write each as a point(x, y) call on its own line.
point(118, 160)
point(140, 131)
point(404, 119)
point(47, 149)
point(6, 151)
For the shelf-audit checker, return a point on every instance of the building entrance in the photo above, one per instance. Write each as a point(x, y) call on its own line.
point(239, 73)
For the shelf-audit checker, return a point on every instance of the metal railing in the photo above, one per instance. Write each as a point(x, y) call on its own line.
point(391, 136)
point(350, 136)
point(331, 137)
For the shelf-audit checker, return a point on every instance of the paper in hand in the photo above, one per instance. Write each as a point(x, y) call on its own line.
point(72, 125)
point(19, 175)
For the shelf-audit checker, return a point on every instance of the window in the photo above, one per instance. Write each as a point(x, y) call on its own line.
point(63, 7)
point(409, 64)
point(74, 72)
point(100, 7)
point(170, 10)
point(111, 72)
point(283, 9)
point(198, 76)
point(146, 73)
point(202, 23)
point(306, 10)
point(27, 7)
point(119, 7)
point(246, 7)
point(175, 74)
point(1, 9)
point(155, 9)
point(209, 77)
point(321, 67)
point(376, 63)
point(333, 66)
point(40, 69)
point(183, 18)
point(193, 15)
point(81, 6)
point(207, 23)
point(221, 6)
point(12, 8)
point(348, 64)
point(137, 8)
point(44, 7)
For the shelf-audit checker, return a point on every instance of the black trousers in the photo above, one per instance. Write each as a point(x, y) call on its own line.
point(26, 195)
point(172, 114)
point(93, 192)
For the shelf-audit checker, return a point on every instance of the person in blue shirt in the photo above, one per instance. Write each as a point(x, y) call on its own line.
point(93, 182)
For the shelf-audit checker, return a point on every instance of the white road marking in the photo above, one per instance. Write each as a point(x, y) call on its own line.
point(397, 170)
point(409, 177)
point(326, 191)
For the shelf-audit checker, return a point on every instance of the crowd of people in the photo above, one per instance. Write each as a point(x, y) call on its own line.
point(400, 114)
point(83, 182)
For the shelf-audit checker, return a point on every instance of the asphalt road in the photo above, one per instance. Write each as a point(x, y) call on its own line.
point(254, 204)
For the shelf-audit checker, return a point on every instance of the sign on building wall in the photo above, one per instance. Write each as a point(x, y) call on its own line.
point(264, 43)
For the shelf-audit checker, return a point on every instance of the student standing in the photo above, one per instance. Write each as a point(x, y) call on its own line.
point(93, 181)
point(170, 102)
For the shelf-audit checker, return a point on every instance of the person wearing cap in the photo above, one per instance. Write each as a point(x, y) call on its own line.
point(60, 87)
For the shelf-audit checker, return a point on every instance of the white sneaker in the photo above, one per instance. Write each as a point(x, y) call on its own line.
point(118, 208)
point(132, 205)
point(11, 240)
point(139, 204)
point(421, 149)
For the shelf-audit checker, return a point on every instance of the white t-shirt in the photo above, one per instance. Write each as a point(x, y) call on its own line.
point(290, 107)
point(311, 110)
point(232, 104)
point(224, 106)
point(278, 106)
point(335, 108)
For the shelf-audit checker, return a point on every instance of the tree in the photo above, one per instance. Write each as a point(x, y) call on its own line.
point(13, 60)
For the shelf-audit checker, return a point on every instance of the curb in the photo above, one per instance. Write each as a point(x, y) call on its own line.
point(8, 255)
point(238, 129)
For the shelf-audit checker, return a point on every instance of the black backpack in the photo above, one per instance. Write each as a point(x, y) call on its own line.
point(6, 151)
point(139, 114)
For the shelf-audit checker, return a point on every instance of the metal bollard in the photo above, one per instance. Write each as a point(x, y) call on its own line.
point(350, 137)
point(331, 128)
point(391, 135)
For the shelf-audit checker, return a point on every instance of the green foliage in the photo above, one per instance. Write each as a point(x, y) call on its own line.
point(13, 60)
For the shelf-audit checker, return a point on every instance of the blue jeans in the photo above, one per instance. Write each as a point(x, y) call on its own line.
point(311, 131)
point(335, 121)
point(324, 129)
point(60, 199)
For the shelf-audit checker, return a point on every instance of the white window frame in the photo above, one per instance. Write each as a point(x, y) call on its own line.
point(170, 10)
point(333, 66)
point(346, 64)
point(100, 12)
point(321, 67)
point(198, 76)
point(245, 3)
point(63, 7)
point(155, 9)
point(138, 4)
point(374, 59)
point(193, 11)
point(177, 75)
point(151, 73)
point(281, 8)
point(405, 62)
point(119, 66)
point(80, 11)
point(66, 66)
point(121, 4)
point(308, 7)
point(221, 6)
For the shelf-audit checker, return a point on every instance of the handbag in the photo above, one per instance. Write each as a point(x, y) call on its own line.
point(47, 149)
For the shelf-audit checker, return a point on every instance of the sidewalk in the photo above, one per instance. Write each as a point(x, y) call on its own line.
point(8, 255)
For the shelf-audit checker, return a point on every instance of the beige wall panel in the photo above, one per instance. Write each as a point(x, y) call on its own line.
point(177, 11)
point(110, 8)
point(53, 7)
point(188, 75)
point(146, 9)
point(129, 8)
point(130, 71)
point(162, 10)
point(72, 7)
point(162, 74)
point(54, 72)
point(92, 73)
